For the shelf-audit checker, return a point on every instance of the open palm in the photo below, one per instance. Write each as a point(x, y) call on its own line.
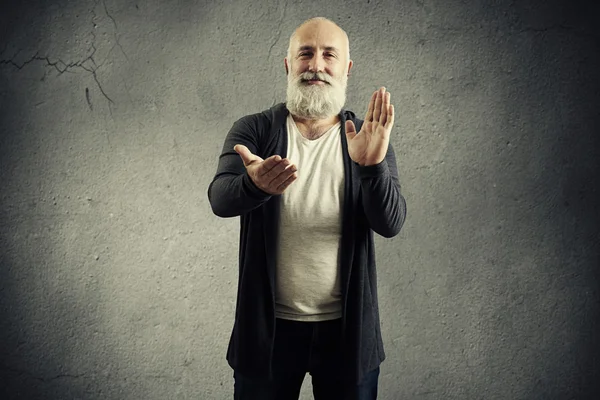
point(369, 146)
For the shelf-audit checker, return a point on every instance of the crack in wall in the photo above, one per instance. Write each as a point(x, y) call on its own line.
point(4, 48)
point(87, 97)
point(116, 34)
point(61, 67)
point(88, 64)
point(278, 35)
point(20, 372)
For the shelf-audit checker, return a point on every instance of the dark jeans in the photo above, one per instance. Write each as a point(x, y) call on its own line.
point(302, 347)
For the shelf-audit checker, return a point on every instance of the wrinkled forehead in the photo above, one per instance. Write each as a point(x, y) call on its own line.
point(320, 35)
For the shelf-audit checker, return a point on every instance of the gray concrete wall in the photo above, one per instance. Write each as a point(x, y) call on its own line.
point(117, 281)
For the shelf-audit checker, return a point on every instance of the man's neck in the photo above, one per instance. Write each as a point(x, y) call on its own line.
point(315, 128)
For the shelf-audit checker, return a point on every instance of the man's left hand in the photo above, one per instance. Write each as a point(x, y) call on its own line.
point(370, 145)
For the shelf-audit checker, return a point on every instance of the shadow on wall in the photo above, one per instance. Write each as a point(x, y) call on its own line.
point(550, 307)
point(43, 334)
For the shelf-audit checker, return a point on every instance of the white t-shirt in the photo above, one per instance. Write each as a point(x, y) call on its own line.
point(308, 284)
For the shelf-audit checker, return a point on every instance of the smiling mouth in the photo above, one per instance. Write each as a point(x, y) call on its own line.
point(314, 81)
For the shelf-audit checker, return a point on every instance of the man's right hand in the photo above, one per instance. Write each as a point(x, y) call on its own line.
point(272, 175)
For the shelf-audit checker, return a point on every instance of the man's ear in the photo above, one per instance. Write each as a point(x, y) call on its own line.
point(350, 64)
point(287, 68)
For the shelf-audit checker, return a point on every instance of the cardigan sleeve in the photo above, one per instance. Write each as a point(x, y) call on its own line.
point(382, 200)
point(232, 192)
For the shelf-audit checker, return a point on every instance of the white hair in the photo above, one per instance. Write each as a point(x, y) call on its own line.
point(316, 101)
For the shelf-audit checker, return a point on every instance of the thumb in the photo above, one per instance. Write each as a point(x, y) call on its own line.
point(350, 130)
point(247, 156)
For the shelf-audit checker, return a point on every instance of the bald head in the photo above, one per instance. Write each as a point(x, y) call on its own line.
point(317, 64)
point(319, 29)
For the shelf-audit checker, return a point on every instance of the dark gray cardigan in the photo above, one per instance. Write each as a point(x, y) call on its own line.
point(372, 202)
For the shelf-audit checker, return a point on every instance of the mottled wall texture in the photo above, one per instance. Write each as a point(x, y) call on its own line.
point(118, 282)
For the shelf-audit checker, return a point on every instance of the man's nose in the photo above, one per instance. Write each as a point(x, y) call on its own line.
point(316, 64)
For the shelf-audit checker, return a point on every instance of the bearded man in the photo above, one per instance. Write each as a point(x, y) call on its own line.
point(310, 191)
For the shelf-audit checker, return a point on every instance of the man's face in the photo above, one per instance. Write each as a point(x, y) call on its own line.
point(317, 69)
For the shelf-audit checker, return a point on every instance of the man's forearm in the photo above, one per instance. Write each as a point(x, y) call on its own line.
point(383, 203)
point(232, 192)
point(233, 195)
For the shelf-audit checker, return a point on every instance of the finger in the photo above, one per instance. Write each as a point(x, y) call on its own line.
point(385, 106)
point(369, 116)
point(274, 183)
point(268, 175)
point(281, 175)
point(390, 120)
point(240, 148)
point(377, 110)
point(283, 186)
point(269, 164)
point(350, 130)
point(245, 154)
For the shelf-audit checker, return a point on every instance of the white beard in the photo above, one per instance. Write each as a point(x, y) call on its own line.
point(316, 101)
